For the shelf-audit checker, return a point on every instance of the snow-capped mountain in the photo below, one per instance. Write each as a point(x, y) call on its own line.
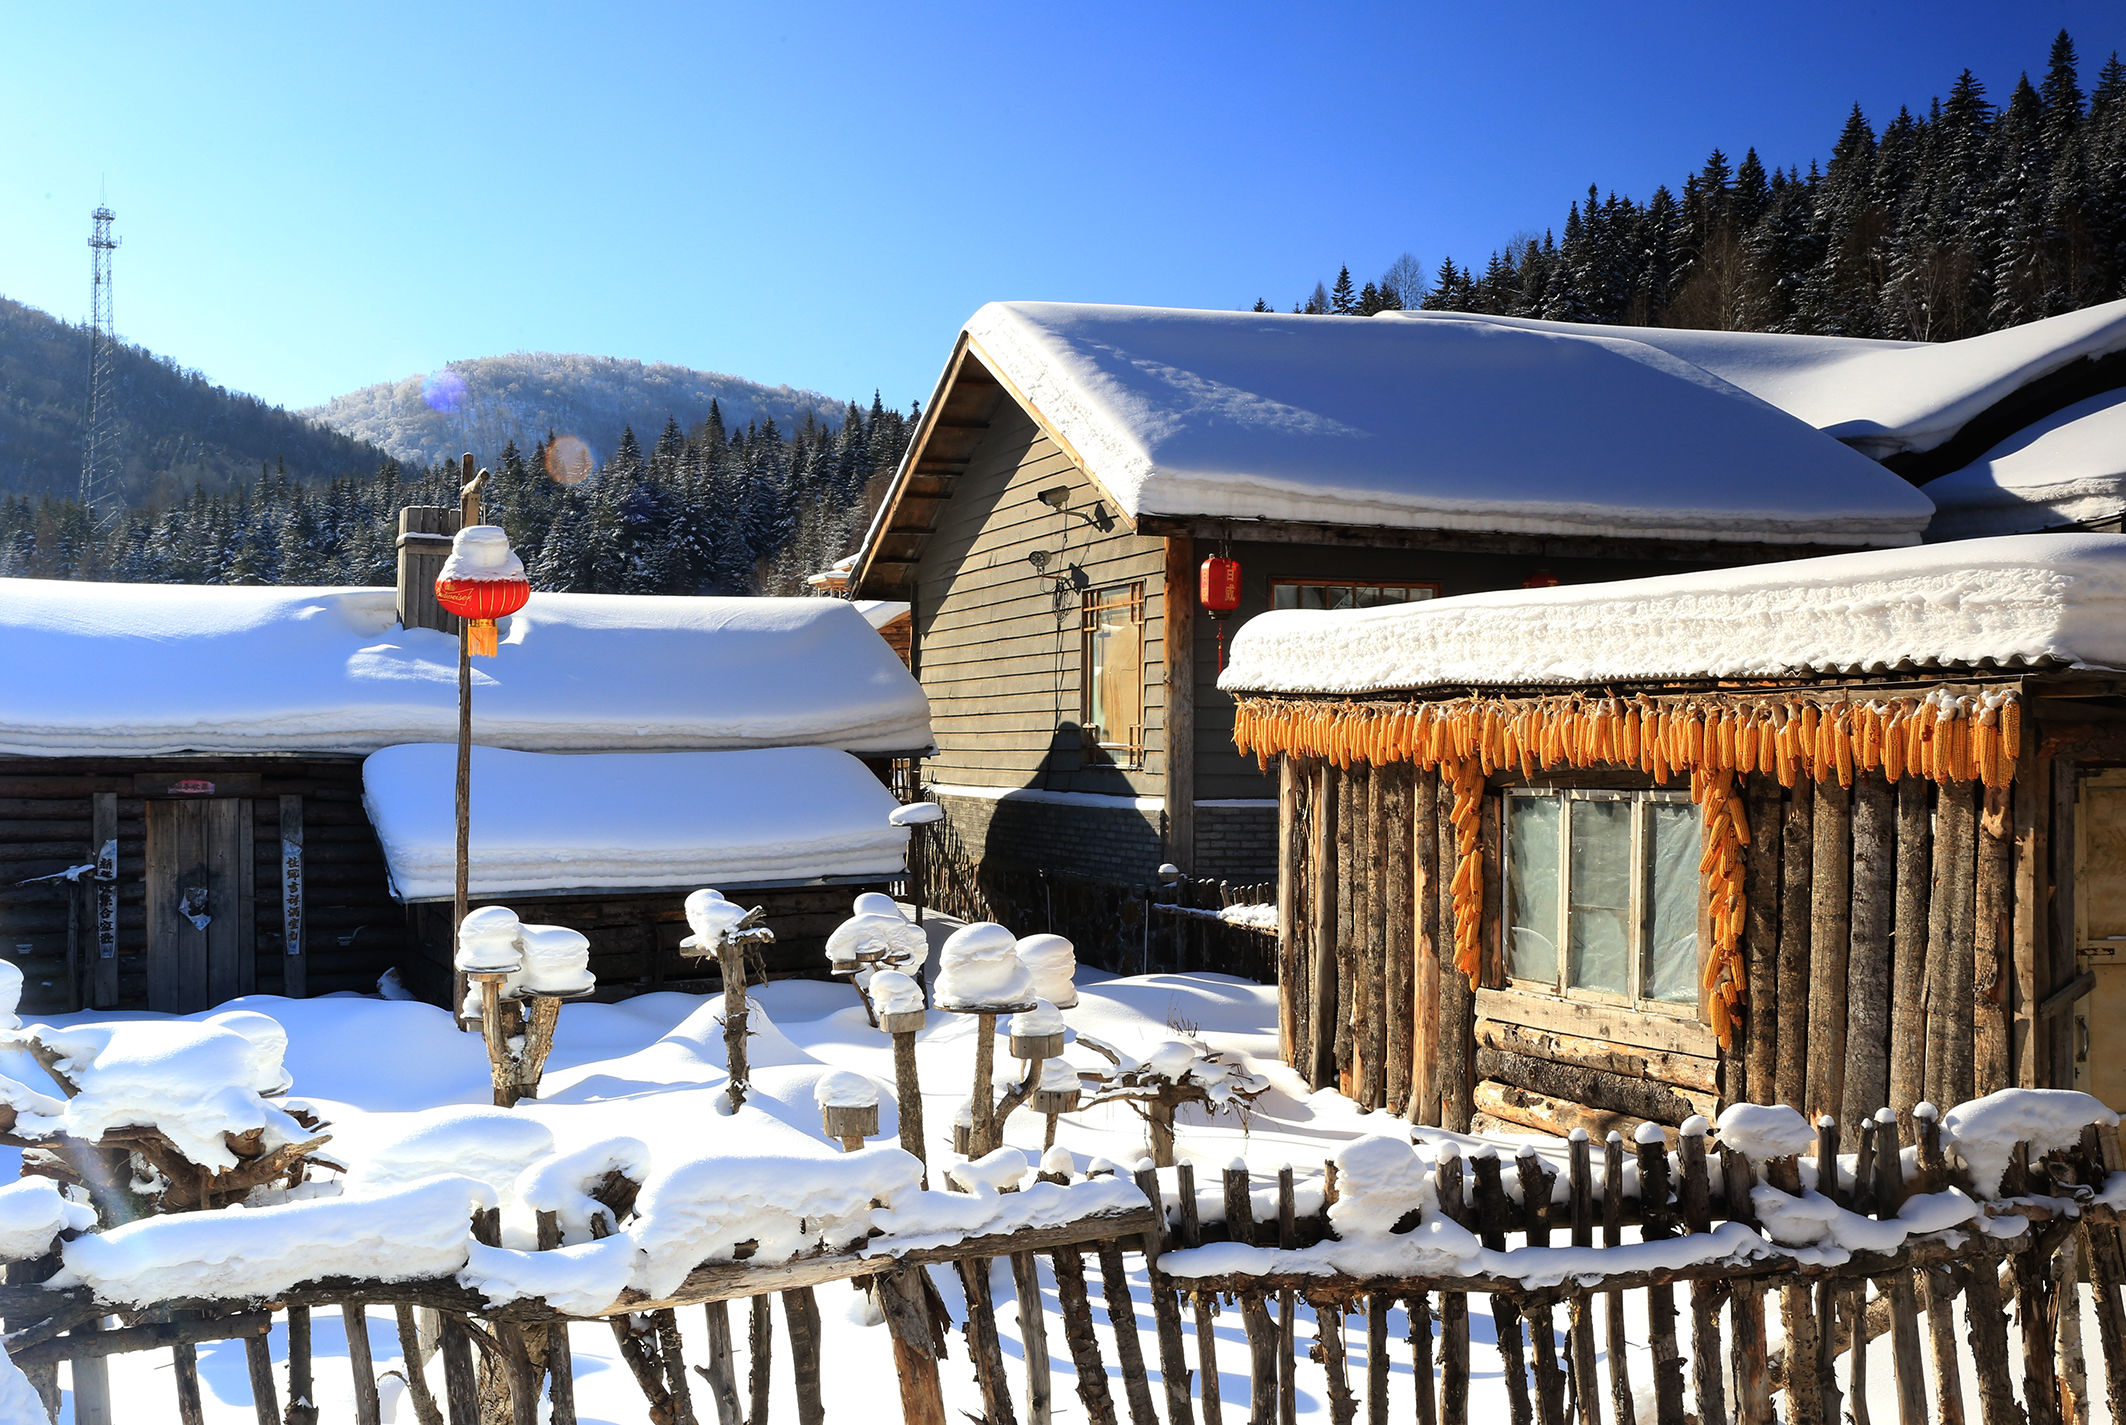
point(480, 404)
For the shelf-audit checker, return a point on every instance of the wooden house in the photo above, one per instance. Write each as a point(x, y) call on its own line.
point(1834, 833)
point(1077, 466)
point(193, 779)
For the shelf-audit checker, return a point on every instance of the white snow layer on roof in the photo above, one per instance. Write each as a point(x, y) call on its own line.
point(543, 822)
point(1881, 397)
point(157, 668)
point(2067, 469)
point(2017, 600)
point(1447, 425)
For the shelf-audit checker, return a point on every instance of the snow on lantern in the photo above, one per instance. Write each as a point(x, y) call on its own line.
point(483, 580)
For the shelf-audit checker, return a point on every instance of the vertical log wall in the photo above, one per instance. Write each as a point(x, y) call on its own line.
point(1892, 955)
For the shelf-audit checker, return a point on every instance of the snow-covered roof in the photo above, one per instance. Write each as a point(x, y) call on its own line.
point(141, 669)
point(2021, 600)
point(1881, 397)
point(643, 820)
point(2067, 469)
point(1444, 425)
point(880, 612)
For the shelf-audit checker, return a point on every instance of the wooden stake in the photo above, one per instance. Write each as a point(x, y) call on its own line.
point(1661, 1298)
point(800, 1315)
point(1868, 974)
point(1993, 936)
point(185, 1361)
point(1904, 1307)
point(1288, 1306)
point(1417, 1309)
point(1033, 1335)
point(1950, 971)
point(908, 1099)
point(1620, 1393)
point(1760, 935)
point(1454, 1307)
point(1350, 984)
point(425, 1410)
point(1830, 912)
point(468, 515)
point(1398, 926)
point(1795, 898)
point(1320, 1062)
point(901, 1297)
point(1457, 1017)
point(1074, 1308)
point(1122, 1316)
point(1425, 945)
point(265, 1396)
point(1909, 941)
point(1335, 1363)
point(983, 1347)
point(731, 957)
point(354, 1318)
point(1535, 1182)
point(1751, 1359)
point(1492, 1218)
point(1586, 1389)
point(1705, 1297)
point(1377, 1304)
point(1166, 1315)
point(760, 1351)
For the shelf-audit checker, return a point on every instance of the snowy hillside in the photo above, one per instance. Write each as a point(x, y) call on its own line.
point(480, 404)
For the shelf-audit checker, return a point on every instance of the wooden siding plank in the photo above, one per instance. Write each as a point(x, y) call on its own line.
point(1178, 674)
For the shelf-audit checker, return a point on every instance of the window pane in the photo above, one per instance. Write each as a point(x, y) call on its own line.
point(1420, 593)
point(1336, 596)
point(1393, 596)
point(1114, 680)
point(1532, 888)
point(1285, 596)
point(1598, 927)
point(1371, 596)
point(1310, 596)
point(1672, 932)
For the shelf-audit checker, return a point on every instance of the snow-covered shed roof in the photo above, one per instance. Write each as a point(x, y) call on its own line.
point(2037, 600)
point(141, 669)
point(2067, 469)
point(1881, 397)
point(1440, 425)
point(631, 820)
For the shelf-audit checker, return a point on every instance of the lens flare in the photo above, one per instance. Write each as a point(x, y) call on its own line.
point(568, 460)
point(443, 390)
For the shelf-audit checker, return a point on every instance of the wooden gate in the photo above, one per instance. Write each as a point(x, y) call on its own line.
point(200, 882)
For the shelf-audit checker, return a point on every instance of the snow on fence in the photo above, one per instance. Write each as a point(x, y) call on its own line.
point(1768, 1230)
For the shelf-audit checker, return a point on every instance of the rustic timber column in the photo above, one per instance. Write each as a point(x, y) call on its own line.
point(1319, 1062)
point(1178, 644)
point(1291, 858)
point(1830, 942)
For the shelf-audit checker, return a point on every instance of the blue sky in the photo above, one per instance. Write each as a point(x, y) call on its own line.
point(313, 198)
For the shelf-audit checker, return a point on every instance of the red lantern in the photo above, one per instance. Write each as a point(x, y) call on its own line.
point(1218, 588)
point(482, 601)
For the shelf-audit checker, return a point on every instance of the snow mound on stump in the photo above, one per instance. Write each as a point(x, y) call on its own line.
point(979, 971)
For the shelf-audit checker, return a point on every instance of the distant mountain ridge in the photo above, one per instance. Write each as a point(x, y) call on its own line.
point(482, 404)
point(175, 427)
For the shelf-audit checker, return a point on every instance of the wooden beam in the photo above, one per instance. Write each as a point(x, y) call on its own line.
point(1542, 546)
point(1319, 1063)
point(1178, 645)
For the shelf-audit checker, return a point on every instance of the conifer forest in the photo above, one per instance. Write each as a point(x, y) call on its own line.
point(1972, 216)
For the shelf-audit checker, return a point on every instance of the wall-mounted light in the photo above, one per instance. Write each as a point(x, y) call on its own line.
point(1055, 496)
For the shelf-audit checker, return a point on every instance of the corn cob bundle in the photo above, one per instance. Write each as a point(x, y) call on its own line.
point(1727, 831)
point(1942, 736)
point(1467, 780)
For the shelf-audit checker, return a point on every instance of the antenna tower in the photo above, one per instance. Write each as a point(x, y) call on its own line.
point(99, 453)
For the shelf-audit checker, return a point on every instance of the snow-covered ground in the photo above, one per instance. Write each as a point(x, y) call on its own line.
point(405, 1094)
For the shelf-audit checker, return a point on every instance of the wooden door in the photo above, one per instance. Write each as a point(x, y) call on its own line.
point(200, 937)
point(2100, 935)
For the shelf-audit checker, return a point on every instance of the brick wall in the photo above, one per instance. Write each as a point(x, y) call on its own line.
point(1236, 843)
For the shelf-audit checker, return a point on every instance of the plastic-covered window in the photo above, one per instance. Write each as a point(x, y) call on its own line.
point(1532, 889)
point(1670, 963)
point(1598, 924)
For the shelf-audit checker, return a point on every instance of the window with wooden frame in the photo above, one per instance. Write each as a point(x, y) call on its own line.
point(1112, 707)
point(1346, 594)
point(1601, 896)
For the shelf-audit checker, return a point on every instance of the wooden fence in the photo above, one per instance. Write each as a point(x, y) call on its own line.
point(1677, 1230)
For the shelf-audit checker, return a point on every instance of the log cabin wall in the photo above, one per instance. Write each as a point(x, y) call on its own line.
point(1902, 942)
point(57, 813)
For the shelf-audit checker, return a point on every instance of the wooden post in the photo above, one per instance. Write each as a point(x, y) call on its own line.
point(1868, 974)
point(1535, 1181)
point(984, 1097)
point(1492, 1220)
point(800, 1315)
point(1796, 857)
point(1291, 858)
point(1178, 645)
point(1425, 945)
point(1750, 1358)
point(1166, 1314)
point(415, 1352)
point(1033, 1336)
point(1696, 1200)
point(1949, 962)
point(1760, 935)
point(1350, 880)
point(1122, 1316)
point(1321, 997)
point(468, 515)
point(265, 1394)
point(901, 1297)
point(1620, 1393)
point(908, 1097)
point(1586, 1388)
point(1453, 1305)
point(760, 1353)
point(730, 955)
point(983, 1347)
point(1661, 1297)
point(1904, 1304)
point(1370, 1026)
point(2031, 803)
point(2056, 1038)
point(1830, 913)
point(1398, 927)
point(1909, 939)
point(1804, 1387)
point(1288, 1308)
point(368, 1410)
point(1992, 934)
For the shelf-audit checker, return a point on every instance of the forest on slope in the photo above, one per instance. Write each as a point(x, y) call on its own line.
point(710, 510)
point(176, 429)
point(1964, 219)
